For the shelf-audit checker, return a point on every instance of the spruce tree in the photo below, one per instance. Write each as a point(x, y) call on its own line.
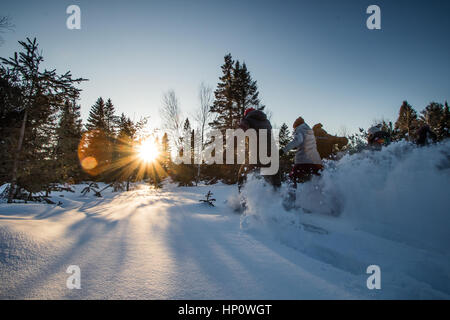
point(286, 160)
point(97, 118)
point(165, 152)
point(98, 144)
point(110, 119)
point(69, 132)
point(236, 91)
point(223, 106)
point(433, 116)
point(407, 122)
point(284, 135)
point(245, 90)
point(127, 164)
point(41, 94)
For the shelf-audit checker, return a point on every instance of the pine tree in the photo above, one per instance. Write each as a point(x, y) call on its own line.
point(165, 152)
point(407, 122)
point(98, 144)
point(433, 115)
point(287, 159)
point(236, 91)
point(187, 125)
point(110, 119)
point(284, 135)
point(96, 120)
point(41, 93)
point(127, 129)
point(10, 121)
point(126, 163)
point(69, 132)
point(184, 173)
point(223, 106)
point(245, 90)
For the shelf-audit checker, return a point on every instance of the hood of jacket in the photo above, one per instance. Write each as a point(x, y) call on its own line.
point(257, 115)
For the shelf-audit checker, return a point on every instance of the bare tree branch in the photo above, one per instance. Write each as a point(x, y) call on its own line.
point(203, 115)
point(171, 116)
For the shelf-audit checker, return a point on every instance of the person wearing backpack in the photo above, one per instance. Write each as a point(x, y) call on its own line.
point(257, 120)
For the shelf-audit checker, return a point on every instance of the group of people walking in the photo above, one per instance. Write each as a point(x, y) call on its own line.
point(307, 161)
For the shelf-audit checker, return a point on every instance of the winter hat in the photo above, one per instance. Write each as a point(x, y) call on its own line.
point(298, 121)
point(248, 110)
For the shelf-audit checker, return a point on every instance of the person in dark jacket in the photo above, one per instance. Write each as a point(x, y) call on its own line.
point(257, 120)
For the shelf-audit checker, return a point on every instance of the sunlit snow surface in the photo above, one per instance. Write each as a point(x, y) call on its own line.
point(393, 210)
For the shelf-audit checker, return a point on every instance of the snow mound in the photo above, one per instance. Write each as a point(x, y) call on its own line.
point(392, 210)
point(400, 193)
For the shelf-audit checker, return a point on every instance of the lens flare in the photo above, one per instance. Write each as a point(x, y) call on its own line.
point(89, 163)
point(148, 151)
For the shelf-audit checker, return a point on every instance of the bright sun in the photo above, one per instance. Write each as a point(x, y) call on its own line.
point(148, 151)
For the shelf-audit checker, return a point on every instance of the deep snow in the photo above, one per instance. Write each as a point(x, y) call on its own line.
point(165, 244)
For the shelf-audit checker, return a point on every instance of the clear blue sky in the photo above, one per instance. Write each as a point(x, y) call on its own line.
point(311, 58)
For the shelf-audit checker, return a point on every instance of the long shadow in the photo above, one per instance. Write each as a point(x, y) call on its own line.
point(85, 232)
point(228, 263)
point(189, 245)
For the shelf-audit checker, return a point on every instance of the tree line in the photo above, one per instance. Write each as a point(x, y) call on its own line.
point(44, 143)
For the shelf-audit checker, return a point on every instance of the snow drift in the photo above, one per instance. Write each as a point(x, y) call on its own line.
point(393, 212)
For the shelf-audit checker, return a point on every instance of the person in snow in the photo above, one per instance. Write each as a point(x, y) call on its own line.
point(327, 145)
point(425, 135)
point(377, 137)
point(307, 159)
point(257, 120)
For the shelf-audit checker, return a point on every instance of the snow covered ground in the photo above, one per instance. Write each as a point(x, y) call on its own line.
point(165, 244)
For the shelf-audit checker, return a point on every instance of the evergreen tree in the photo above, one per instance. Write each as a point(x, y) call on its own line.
point(223, 106)
point(126, 163)
point(245, 90)
point(186, 126)
point(42, 92)
point(236, 91)
point(184, 173)
point(97, 118)
point(68, 132)
point(287, 159)
point(10, 122)
point(110, 119)
point(284, 135)
point(98, 146)
point(127, 128)
point(434, 116)
point(407, 122)
point(165, 152)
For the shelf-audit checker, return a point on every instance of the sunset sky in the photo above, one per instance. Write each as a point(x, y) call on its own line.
point(316, 59)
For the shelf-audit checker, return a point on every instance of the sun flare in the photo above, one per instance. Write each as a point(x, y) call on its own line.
point(148, 150)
